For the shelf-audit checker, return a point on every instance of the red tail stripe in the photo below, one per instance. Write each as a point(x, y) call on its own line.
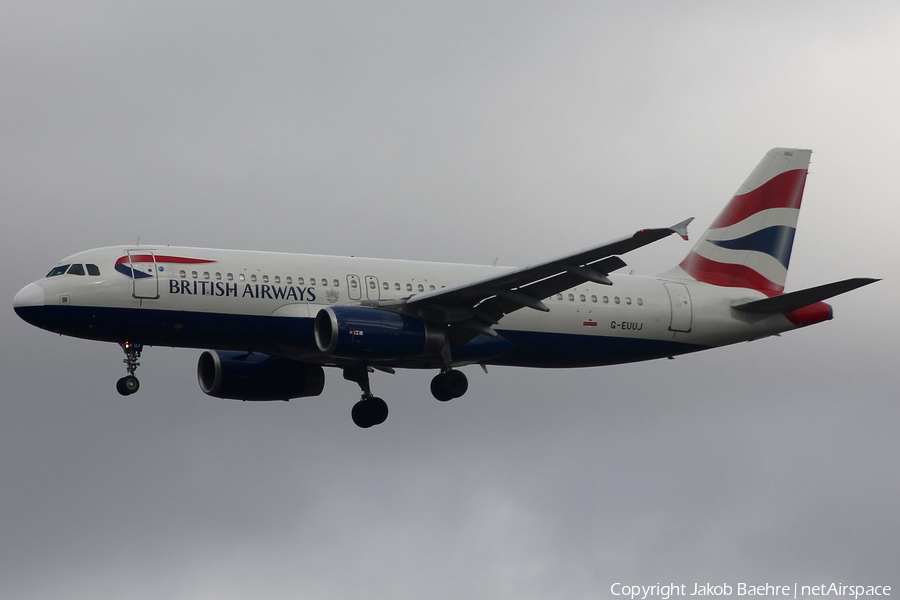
point(782, 191)
point(724, 274)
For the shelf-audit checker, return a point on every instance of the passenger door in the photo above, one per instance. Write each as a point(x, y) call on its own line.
point(682, 312)
point(144, 274)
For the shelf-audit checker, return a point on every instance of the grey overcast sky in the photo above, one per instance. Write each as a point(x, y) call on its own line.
point(452, 131)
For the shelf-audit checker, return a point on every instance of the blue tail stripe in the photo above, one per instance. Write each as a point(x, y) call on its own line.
point(775, 241)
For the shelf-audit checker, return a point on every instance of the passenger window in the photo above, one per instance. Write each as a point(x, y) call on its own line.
point(640, 302)
point(205, 274)
point(616, 300)
point(628, 301)
point(582, 298)
point(229, 277)
point(397, 286)
point(594, 299)
point(93, 270)
point(57, 270)
point(386, 285)
point(241, 277)
point(218, 276)
point(431, 288)
point(421, 288)
point(194, 274)
point(324, 282)
point(299, 281)
point(559, 296)
point(571, 297)
point(371, 285)
point(408, 287)
point(182, 274)
point(337, 283)
point(253, 278)
point(277, 279)
point(353, 284)
point(288, 280)
point(265, 279)
point(605, 299)
point(76, 270)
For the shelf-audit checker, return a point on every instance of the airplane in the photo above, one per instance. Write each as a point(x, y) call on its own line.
point(269, 322)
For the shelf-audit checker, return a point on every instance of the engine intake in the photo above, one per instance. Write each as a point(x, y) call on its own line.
point(257, 377)
point(360, 332)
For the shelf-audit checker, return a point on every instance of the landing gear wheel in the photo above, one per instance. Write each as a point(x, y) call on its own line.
point(361, 415)
point(439, 389)
point(128, 385)
point(369, 412)
point(449, 385)
point(378, 410)
point(457, 383)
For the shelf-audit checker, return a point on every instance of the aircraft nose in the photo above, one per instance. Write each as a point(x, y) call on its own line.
point(30, 295)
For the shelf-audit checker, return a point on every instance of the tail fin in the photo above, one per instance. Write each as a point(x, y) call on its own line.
point(749, 244)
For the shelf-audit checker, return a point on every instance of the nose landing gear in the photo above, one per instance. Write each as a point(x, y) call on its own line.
point(129, 384)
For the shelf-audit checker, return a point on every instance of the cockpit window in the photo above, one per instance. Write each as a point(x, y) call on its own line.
point(57, 270)
point(76, 270)
point(93, 270)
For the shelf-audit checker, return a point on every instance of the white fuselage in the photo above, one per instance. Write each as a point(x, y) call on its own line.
point(264, 301)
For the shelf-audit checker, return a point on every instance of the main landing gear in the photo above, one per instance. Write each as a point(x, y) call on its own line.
point(370, 410)
point(449, 384)
point(130, 384)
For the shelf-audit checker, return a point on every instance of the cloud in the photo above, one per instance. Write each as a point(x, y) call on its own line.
point(456, 133)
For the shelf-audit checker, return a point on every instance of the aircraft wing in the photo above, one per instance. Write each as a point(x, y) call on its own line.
point(478, 305)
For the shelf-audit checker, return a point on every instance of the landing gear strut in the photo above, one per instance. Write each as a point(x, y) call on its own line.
point(449, 384)
point(130, 384)
point(370, 410)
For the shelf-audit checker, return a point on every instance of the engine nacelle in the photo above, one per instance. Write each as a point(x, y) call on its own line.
point(258, 377)
point(360, 332)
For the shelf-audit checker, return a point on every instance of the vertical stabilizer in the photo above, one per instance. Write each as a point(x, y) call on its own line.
point(749, 244)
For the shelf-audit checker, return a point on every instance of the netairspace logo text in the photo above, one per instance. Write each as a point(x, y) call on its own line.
point(670, 590)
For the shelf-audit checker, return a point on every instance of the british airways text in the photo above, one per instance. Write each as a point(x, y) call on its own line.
point(232, 290)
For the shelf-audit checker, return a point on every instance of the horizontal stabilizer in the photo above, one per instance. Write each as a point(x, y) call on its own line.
point(797, 300)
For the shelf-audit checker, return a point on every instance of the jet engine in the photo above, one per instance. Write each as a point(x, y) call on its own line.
point(258, 377)
point(360, 332)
